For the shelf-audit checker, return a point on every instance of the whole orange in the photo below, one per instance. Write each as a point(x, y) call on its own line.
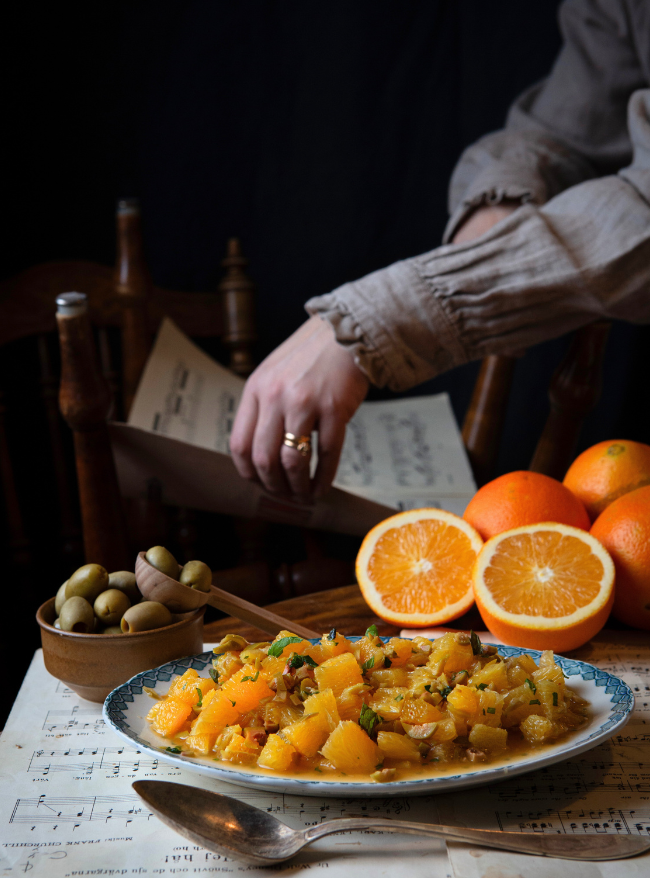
point(624, 529)
point(521, 498)
point(607, 471)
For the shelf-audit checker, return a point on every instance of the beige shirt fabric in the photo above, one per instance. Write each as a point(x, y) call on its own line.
point(576, 152)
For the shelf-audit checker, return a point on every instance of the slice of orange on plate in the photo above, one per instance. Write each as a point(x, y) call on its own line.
point(415, 568)
point(544, 586)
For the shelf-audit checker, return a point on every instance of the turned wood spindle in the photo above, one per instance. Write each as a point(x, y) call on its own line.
point(237, 291)
point(133, 288)
point(70, 528)
point(85, 401)
point(574, 392)
point(485, 417)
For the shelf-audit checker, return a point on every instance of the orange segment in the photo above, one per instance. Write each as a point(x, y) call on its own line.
point(414, 568)
point(544, 586)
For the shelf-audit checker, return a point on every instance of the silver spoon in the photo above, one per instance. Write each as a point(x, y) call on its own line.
point(227, 826)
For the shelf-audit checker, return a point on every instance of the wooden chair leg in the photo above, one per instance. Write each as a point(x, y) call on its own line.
point(483, 424)
point(574, 392)
point(85, 402)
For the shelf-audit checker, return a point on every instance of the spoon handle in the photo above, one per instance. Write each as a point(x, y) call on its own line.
point(247, 612)
point(570, 847)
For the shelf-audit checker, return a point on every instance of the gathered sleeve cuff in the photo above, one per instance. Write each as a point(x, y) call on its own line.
point(537, 274)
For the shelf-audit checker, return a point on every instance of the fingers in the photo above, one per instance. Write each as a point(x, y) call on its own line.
point(267, 441)
point(295, 464)
point(331, 435)
point(241, 438)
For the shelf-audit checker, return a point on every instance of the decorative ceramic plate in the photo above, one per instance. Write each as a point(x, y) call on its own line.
point(611, 702)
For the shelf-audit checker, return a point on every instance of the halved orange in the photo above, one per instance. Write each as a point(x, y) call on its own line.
point(544, 586)
point(415, 568)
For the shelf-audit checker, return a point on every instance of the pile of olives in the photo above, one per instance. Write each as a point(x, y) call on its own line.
point(94, 601)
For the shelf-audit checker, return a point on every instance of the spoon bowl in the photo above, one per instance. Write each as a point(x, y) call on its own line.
point(179, 598)
point(157, 586)
point(235, 829)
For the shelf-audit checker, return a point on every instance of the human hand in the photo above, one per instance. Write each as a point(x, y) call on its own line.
point(309, 382)
point(482, 219)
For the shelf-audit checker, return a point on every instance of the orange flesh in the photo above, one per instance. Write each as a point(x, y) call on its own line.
point(543, 574)
point(421, 566)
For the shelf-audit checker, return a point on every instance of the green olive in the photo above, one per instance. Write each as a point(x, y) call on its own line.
point(164, 561)
point(125, 581)
point(77, 615)
point(111, 605)
point(59, 600)
point(197, 575)
point(57, 624)
point(87, 582)
point(145, 616)
point(112, 629)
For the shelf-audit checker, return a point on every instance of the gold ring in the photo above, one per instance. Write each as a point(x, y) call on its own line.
point(302, 444)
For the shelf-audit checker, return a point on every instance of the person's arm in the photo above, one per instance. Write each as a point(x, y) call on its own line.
point(567, 129)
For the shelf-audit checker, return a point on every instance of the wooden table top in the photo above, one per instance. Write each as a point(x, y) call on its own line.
point(341, 608)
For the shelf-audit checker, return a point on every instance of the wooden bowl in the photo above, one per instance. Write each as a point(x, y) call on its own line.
point(157, 586)
point(94, 664)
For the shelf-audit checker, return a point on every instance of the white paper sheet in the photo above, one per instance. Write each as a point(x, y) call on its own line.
point(67, 807)
point(606, 789)
point(400, 454)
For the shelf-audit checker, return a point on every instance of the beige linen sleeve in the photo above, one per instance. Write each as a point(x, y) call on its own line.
point(566, 129)
point(537, 274)
point(578, 248)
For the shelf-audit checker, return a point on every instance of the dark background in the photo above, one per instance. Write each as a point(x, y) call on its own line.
point(323, 134)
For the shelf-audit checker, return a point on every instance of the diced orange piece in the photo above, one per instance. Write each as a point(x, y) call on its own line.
point(490, 708)
point(246, 688)
point(202, 743)
point(402, 649)
point(272, 666)
point(323, 705)
point(187, 687)
point(327, 648)
point(338, 673)
point(351, 750)
point(241, 750)
point(220, 710)
point(463, 700)
point(307, 735)
point(388, 703)
point(276, 754)
point(170, 717)
point(398, 746)
point(417, 711)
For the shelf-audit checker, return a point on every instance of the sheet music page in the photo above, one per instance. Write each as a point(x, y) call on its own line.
point(606, 789)
point(67, 807)
point(402, 454)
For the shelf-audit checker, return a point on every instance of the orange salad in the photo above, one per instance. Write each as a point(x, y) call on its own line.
point(365, 710)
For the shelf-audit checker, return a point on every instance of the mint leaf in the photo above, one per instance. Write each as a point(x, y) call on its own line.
point(200, 701)
point(297, 661)
point(366, 666)
point(482, 686)
point(252, 679)
point(368, 719)
point(276, 648)
point(475, 640)
point(173, 749)
point(531, 685)
point(445, 691)
point(535, 701)
point(372, 631)
point(332, 634)
point(387, 662)
point(398, 698)
point(555, 699)
point(491, 710)
point(214, 674)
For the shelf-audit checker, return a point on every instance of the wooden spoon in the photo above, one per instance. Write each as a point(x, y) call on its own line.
point(179, 598)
